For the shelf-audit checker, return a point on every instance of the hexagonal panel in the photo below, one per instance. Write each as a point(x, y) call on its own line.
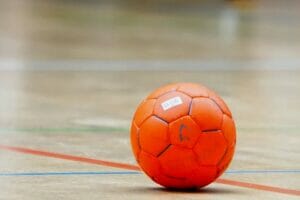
point(210, 148)
point(154, 137)
point(172, 106)
point(178, 162)
point(160, 91)
point(184, 132)
point(220, 102)
point(206, 113)
point(144, 110)
point(149, 164)
point(193, 90)
point(134, 138)
point(228, 129)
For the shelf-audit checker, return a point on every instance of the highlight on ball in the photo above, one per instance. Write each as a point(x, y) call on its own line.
point(183, 136)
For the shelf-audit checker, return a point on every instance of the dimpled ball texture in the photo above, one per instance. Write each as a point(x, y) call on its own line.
point(183, 136)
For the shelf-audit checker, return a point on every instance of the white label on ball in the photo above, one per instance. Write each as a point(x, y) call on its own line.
point(175, 101)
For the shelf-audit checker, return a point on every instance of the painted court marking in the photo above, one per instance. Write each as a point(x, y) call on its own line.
point(70, 157)
point(135, 168)
point(295, 171)
point(69, 173)
point(72, 173)
point(258, 187)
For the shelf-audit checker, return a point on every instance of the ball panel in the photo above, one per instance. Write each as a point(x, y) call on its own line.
point(178, 162)
point(228, 129)
point(184, 132)
point(173, 183)
point(172, 106)
point(206, 113)
point(154, 137)
point(144, 110)
point(226, 160)
point(219, 101)
point(149, 164)
point(204, 175)
point(193, 90)
point(134, 138)
point(160, 91)
point(210, 148)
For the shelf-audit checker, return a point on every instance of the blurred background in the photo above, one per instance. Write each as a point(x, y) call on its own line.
point(70, 63)
point(214, 33)
point(72, 73)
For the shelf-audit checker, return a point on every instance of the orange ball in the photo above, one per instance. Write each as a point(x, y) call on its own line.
point(183, 136)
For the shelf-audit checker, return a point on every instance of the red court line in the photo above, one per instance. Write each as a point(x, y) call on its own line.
point(258, 186)
point(136, 168)
point(70, 157)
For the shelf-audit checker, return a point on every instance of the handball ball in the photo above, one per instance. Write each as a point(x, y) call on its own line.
point(183, 136)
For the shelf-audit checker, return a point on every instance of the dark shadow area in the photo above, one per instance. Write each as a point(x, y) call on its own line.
point(209, 190)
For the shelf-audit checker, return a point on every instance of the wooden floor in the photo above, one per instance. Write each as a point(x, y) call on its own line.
point(71, 78)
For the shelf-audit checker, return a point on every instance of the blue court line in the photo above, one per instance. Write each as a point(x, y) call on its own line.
point(295, 171)
point(69, 173)
point(135, 172)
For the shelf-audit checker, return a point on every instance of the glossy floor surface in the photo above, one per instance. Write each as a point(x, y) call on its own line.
point(72, 74)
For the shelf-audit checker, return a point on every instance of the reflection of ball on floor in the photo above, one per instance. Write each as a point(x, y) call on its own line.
point(183, 136)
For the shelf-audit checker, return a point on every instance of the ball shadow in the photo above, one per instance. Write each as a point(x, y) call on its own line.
point(210, 190)
point(197, 190)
